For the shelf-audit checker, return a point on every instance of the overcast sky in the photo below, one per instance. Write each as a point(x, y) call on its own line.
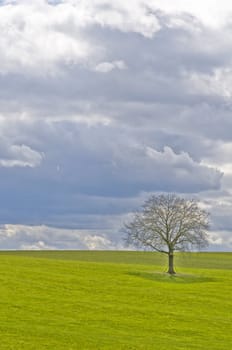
point(104, 102)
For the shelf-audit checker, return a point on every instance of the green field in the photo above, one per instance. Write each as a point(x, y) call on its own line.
point(114, 300)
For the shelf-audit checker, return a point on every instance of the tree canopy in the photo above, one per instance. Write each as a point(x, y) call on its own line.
point(169, 223)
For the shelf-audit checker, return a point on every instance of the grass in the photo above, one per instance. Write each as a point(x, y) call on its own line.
point(114, 300)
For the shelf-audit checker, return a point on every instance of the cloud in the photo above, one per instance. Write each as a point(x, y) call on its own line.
point(92, 175)
point(21, 156)
point(106, 67)
point(46, 37)
point(211, 13)
point(36, 37)
point(22, 237)
point(220, 241)
point(49, 238)
point(103, 103)
point(163, 170)
point(106, 160)
point(40, 245)
point(41, 39)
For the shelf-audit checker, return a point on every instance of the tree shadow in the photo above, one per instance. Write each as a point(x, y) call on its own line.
point(177, 278)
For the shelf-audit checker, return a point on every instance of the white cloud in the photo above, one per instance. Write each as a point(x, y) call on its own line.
point(215, 83)
point(24, 237)
point(125, 16)
point(94, 242)
point(40, 245)
point(50, 238)
point(212, 13)
point(21, 156)
point(215, 238)
point(36, 37)
point(39, 38)
point(106, 67)
point(220, 240)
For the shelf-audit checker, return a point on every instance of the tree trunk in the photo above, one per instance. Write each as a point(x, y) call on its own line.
point(171, 270)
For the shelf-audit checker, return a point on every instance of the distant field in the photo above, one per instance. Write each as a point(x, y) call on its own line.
point(114, 300)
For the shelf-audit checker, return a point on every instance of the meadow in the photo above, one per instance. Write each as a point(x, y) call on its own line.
point(74, 300)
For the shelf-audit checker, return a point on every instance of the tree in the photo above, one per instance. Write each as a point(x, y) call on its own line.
point(168, 223)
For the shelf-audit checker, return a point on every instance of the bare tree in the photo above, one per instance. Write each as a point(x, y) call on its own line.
point(168, 223)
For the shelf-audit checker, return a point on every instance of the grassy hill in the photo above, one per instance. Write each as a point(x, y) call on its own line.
point(114, 300)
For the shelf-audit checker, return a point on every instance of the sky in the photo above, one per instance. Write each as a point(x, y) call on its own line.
point(103, 103)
